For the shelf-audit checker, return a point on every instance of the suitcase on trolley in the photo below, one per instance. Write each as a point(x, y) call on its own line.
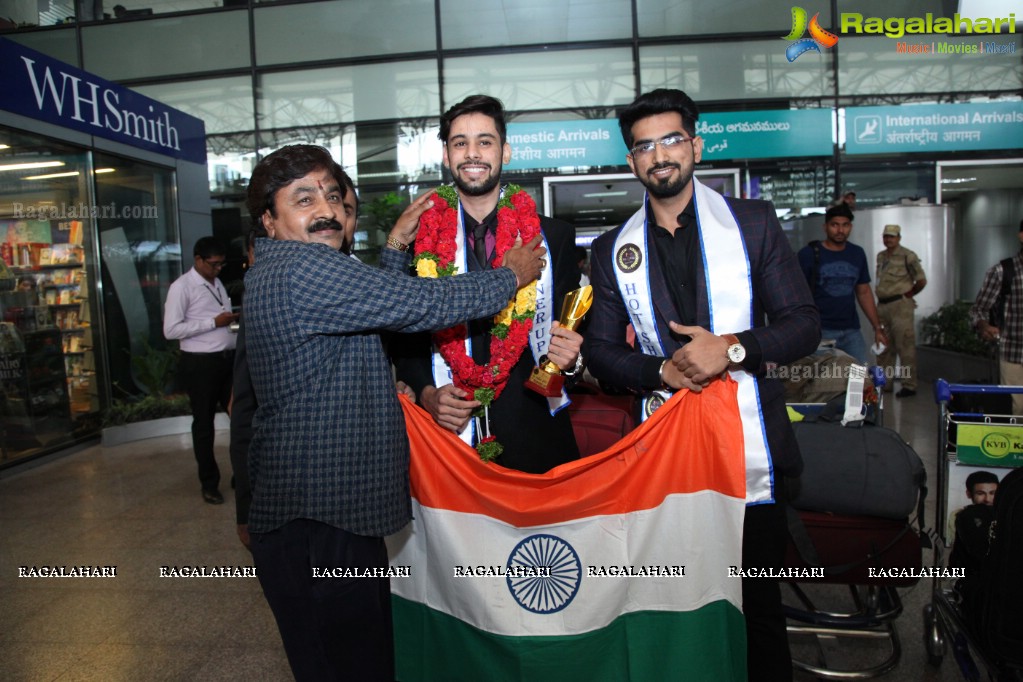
point(858, 550)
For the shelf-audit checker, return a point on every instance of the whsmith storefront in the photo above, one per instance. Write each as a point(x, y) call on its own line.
point(100, 190)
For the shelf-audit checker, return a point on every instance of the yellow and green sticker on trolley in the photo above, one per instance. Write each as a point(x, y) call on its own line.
point(993, 445)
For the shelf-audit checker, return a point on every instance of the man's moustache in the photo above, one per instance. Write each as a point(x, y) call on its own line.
point(324, 225)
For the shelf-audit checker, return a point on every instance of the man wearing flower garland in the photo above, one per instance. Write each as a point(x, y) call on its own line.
point(711, 286)
point(467, 230)
point(329, 455)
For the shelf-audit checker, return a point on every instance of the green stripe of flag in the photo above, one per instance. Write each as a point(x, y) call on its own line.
point(705, 644)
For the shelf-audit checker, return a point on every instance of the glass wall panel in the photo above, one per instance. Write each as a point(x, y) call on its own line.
point(348, 93)
point(873, 66)
point(886, 185)
point(141, 256)
point(544, 80)
point(190, 44)
point(60, 44)
point(895, 8)
point(467, 23)
point(383, 153)
point(224, 104)
point(52, 12)
point(690, 17)
point(734, 71)
point(229, 161)
point(49, 380)
point(339, 30)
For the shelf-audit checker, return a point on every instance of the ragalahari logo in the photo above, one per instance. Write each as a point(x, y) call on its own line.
point(818, 36)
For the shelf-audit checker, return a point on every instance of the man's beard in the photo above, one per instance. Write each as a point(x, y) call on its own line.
point(486, 187)
point(667, 188)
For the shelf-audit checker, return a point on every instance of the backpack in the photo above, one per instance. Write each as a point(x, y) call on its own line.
point(1000, 592)
point(996, 316)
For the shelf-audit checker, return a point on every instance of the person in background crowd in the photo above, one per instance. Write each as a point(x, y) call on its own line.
point(999, 318)
point(839, 278)
point(900, 277)
point(849, 199)
point(198, 314)
point(696, 236)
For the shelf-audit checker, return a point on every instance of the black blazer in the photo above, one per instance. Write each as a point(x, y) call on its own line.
point(786, 324)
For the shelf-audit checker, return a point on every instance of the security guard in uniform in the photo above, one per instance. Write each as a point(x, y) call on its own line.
point(900, 277)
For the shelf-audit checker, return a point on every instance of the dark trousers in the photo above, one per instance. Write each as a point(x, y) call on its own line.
point(764, 536)
point(332, 628)
point(207, 378)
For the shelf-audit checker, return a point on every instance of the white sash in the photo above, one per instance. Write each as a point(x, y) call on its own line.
point(539, 336)
point(729, 292)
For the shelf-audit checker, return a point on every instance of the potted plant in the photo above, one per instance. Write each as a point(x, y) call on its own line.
point(951, 349)
point(155, 412)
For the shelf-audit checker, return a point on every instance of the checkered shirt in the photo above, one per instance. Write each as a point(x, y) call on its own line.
point(1012, 331)
point(329, 440)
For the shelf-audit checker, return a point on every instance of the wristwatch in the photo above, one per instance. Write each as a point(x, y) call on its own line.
point(575, 370)
point(736, 352)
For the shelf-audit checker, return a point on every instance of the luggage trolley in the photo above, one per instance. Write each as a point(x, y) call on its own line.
point(850, 545)
point(961, 443)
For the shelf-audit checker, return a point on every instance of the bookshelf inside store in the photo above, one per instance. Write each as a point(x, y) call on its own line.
point(47, 363)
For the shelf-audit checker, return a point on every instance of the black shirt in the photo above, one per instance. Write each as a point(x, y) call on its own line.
point(678, 253)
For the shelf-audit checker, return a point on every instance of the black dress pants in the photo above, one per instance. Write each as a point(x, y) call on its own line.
point(333, 628)
point(764, 537)
point(207, 378)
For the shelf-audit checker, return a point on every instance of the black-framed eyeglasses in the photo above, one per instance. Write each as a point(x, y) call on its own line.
point(668, 141)
point(215, 263)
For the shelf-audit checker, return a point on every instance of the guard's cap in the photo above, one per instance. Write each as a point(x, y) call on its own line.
point(892, 231)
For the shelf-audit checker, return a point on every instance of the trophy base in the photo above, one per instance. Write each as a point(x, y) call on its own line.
point(546, 384)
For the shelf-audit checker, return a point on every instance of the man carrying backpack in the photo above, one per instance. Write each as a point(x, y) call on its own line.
point(997, 315)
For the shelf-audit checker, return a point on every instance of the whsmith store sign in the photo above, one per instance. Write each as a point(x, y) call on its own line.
point(45, 89)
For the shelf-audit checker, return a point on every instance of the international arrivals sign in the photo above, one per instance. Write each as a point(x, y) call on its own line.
point(44, 89)
point(934, 128)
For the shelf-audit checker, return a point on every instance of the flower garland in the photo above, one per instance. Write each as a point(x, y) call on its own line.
point(434, 257)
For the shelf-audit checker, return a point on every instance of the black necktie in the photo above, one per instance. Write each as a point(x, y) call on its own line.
point(479, 237)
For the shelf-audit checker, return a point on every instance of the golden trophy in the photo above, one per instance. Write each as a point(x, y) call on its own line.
point(548, 379)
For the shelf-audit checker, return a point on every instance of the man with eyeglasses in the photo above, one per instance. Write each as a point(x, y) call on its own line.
point(711, 287)
point(198, 314)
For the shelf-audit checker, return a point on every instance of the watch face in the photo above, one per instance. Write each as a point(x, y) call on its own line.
point(736, 353)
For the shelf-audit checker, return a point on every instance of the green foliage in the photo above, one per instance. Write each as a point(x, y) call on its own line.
point(949, 328)
point(384, 210)
point(154, 368)
point(150, 407)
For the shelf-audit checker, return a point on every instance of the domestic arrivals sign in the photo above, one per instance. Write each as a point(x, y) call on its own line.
point(45, 89)
point(733, 135)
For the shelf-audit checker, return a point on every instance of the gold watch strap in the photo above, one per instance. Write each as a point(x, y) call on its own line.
point(395, 244)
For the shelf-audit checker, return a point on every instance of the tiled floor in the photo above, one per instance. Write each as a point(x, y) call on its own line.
point(137, 507)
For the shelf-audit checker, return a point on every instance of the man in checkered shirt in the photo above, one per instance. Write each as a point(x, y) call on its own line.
point(328, 460)
point(1009, 335)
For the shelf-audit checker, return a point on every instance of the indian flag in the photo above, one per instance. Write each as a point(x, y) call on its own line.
point(612, 567)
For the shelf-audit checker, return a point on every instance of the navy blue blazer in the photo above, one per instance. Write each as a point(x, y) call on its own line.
point(786, 324)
